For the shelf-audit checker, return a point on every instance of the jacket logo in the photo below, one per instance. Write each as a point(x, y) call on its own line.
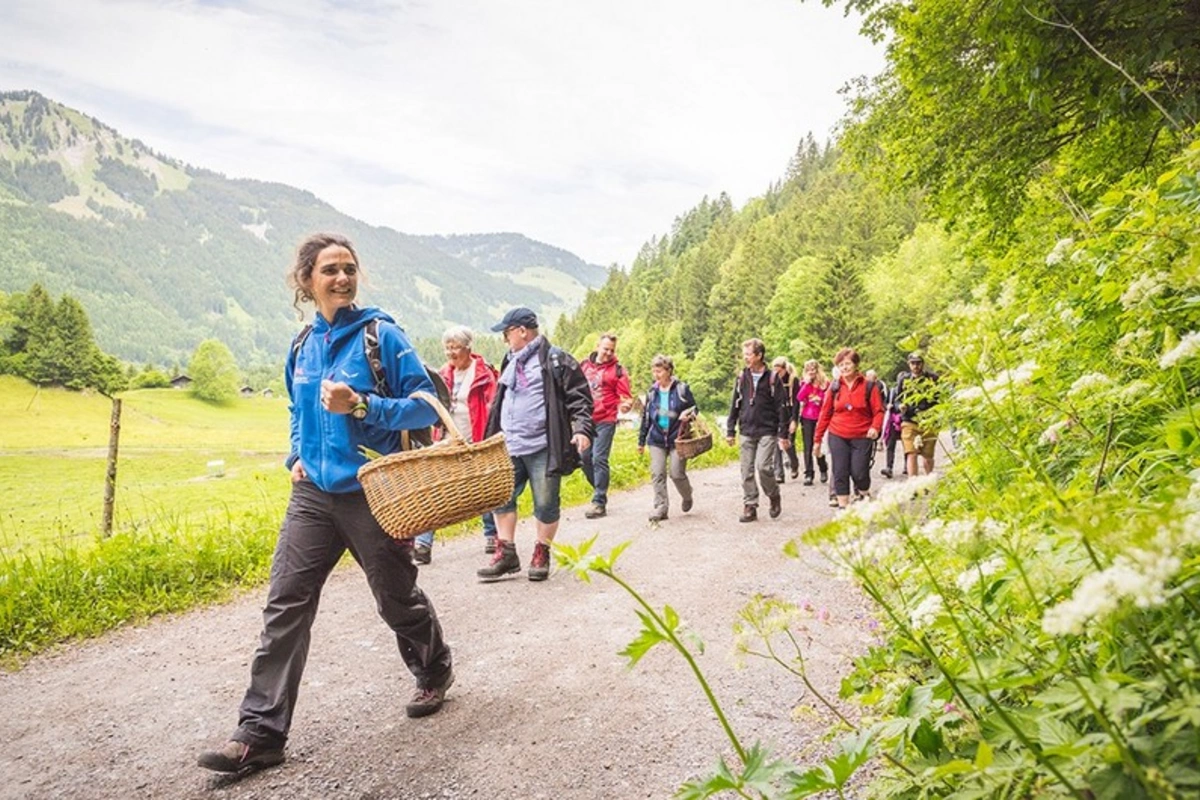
point(350, 374)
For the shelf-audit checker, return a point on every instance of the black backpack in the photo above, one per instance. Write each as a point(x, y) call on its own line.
point(409, 439)
point(836, 386)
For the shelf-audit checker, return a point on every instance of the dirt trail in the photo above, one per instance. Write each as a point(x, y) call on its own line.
point(543, 706)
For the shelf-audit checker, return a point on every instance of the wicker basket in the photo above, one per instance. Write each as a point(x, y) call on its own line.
point(419, 490)
point(698, 440)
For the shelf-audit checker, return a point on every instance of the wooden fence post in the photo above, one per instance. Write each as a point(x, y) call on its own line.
point(110, 478)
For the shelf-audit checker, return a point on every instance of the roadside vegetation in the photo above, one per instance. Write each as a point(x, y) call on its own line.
point(200, 493)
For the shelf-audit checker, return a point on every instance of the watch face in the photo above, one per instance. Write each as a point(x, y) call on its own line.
point(359, 412)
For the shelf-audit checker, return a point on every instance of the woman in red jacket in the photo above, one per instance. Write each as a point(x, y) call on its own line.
point(853, 414)
point(472, 383)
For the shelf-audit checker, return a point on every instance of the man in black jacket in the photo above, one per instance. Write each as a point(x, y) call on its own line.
point(760, 409)
point(544, 406)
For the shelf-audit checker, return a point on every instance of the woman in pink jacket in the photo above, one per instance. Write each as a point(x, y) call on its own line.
point(809, 396)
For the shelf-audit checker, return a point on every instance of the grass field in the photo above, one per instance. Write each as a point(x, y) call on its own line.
point(53, 457)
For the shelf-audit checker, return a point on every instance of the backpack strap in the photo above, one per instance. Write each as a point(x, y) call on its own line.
point(298, 342)
point(374, 360)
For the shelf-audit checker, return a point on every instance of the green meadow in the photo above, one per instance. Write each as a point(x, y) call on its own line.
point(185, 532)
point(53, 452)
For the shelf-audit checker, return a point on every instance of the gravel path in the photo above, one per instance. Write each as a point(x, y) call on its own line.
point(543, 706)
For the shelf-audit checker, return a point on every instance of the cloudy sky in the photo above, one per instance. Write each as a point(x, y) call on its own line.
point(587, 124)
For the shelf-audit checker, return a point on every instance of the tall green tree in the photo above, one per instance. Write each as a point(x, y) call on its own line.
point(214, 372)
point(980, 95)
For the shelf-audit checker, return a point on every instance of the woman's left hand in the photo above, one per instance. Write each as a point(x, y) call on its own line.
point(872, 434)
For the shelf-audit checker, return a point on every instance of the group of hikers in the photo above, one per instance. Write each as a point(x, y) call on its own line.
point(557, 414)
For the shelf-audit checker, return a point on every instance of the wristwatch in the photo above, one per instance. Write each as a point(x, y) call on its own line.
point(359, 411)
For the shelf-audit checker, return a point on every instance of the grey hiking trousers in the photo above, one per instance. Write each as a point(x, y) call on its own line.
point(317, 529)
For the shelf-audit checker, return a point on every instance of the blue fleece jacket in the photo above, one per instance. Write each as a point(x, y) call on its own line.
point(326, 443)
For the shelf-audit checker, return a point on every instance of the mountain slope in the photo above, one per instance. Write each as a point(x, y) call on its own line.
point(163, 255)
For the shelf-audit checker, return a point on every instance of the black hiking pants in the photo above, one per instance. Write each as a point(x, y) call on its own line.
point(317, 529)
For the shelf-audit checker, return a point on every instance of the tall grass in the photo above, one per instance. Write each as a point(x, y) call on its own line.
point(67, 592)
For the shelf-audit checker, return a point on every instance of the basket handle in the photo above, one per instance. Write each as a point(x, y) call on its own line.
point(437, 406)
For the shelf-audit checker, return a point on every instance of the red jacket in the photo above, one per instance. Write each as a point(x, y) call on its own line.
point(479, 396)
point(851, 413)
point(609, 384)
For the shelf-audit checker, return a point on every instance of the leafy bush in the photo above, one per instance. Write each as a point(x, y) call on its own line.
point(1043, 600)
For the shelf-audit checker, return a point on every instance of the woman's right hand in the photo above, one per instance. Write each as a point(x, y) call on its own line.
point(641, 450)
point(298, 472)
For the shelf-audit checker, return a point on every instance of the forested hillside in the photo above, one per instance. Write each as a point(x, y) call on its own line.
point(817, 262)
point(163, 256)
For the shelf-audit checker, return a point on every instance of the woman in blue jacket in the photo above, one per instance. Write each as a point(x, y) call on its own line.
point(336, 406)
point(668, 403)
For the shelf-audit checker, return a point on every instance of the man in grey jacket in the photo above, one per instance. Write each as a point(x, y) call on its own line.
point(760, 409)
point(544, 407)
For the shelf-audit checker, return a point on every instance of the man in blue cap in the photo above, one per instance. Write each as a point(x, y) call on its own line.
point(543, 405)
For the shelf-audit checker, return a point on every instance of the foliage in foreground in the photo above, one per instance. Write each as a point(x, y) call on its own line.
point(1043, 602)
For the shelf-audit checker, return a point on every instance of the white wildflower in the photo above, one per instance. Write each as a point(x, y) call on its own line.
point(1051, 434)
point(1056, 255)
point(927, 612)
point(1187, 348)
point(1070, 317)
point(1133, 392)
point(947, 533)
point(1091, 382)
point(1145, 287)
point(1132, 343)
point(970, 576)
point(1139, 576)
point(970, 394)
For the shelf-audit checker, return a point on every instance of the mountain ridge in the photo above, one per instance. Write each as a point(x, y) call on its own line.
point(163, 255)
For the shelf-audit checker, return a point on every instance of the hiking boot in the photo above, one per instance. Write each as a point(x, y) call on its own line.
point(808, 480)
point(422, 554)
point(824, 476)
point(795, 473)
point(539, 565)
point(596, 511)
point(239, 757)
point(489, 544)
point(886, 472)
point(687, 504)
point(776, 506)
point(505, 561)
point(427, 701)
point(658, 516)
point(833, 503)
point(749, 514)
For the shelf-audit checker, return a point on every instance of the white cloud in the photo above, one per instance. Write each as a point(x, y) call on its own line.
point(589, 125)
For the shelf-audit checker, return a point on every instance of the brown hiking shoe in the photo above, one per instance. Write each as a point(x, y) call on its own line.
point(776, 506)
point(596, 511)
point(539, 565)
point(239, 757)
point(749, 514)
point(504, 562)
point(427, 701)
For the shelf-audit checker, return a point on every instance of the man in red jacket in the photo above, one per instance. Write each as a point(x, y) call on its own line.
point(610, 395)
